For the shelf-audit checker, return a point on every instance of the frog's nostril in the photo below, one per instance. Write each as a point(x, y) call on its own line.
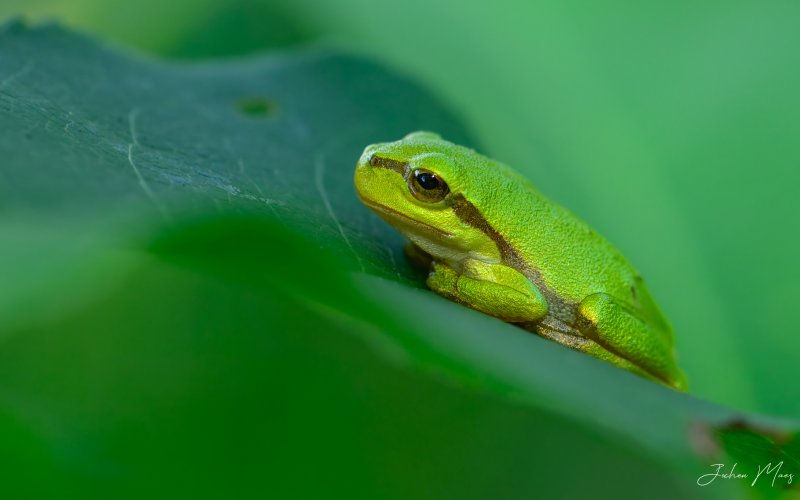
point(374, 160)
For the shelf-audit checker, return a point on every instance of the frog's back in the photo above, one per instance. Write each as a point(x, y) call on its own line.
point(562, 251)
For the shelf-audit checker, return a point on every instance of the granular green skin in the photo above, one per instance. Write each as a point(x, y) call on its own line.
point(496, 244)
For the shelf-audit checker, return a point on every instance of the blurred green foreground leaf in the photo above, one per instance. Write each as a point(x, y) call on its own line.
point(193, 302)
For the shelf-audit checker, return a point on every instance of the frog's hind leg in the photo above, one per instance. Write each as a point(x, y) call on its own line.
point(589, 347)
point(620, 330)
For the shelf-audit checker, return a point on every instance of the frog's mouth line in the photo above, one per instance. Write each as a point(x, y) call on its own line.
point(394, 213)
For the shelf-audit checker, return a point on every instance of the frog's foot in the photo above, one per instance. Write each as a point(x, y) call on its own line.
point(494, 289)
point(619, 330)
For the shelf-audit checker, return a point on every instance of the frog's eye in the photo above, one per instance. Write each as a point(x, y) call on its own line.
point(427, 186)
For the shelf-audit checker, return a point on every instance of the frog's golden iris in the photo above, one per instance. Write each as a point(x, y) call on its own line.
point(427, 186)
point(494, 243)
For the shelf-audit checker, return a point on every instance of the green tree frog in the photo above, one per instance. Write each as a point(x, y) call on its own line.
point(494, 243)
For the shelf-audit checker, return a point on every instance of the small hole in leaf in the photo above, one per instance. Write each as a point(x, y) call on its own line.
point(257, 107)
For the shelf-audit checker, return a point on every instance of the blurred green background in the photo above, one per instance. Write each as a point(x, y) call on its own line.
point(671, 127)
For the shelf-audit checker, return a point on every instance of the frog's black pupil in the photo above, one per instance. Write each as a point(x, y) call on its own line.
point(427, 180)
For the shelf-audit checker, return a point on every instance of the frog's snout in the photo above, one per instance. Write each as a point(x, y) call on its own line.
point(366, 156)
point(363, 172)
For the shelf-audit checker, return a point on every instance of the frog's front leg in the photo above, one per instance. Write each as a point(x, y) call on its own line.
point(494, 289)
point(620, 329)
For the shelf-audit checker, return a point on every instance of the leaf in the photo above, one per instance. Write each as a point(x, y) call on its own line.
point(196, 304)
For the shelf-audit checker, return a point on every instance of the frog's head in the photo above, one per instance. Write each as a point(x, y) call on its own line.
point(419, 185)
